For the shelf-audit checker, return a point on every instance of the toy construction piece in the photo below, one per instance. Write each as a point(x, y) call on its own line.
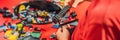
point(11, 36)
point(72, 21)
point(3, 27)
point(8, 33)
point(73, 14)
point(19, 25)
point(56, 26)
point(22, 7)
point(61, 14)
point(36, 34)
point(1, 11)
point(44, 38)
point(53, 36)
point(14, 36)
point(5, 12)
point(20, 29)
point(23, 10)
point(29, 38)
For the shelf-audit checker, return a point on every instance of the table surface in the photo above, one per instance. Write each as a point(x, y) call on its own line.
point(47, 30)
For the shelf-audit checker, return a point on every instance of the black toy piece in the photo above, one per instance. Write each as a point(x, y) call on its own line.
point(53, 36)
point(21, 31)
point(75, 20)
point(44, 38)
point(5, 12)
point(61, 14)
point(3, 27)
point(37, 29)
point(5, 8)
point(1, 11)
point(73, 14)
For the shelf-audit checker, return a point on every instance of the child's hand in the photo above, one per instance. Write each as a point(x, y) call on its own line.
point(63, 33)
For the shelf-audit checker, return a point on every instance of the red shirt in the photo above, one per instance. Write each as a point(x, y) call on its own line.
point(101, 22)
